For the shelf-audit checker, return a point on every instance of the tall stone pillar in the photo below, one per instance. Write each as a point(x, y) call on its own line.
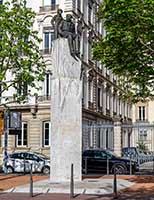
point(117, 138)
point(65, 114)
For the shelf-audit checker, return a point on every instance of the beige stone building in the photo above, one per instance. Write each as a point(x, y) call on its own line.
point(143, 118)
point(101, 96)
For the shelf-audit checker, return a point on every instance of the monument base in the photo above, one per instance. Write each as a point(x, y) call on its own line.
point(66, 111)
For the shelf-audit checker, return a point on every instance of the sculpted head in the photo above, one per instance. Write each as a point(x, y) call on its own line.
point(59, 11)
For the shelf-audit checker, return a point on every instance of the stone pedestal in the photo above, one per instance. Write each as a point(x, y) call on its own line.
point(65, 114)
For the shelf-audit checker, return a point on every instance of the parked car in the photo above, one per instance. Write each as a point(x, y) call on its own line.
point(136, 154)
point(23, 161)
point(98, 160)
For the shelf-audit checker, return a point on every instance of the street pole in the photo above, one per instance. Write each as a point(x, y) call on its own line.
point(6, 133)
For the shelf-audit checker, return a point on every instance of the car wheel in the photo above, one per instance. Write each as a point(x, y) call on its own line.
point(119, 169)
point(10, 170)
point(46, 170)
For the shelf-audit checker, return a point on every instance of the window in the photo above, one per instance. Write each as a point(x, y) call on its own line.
point(89, 12)
point(49, 2)
point(1, 1)
point(48, 38)
point(107, 98)
point(22, 89)
point(22, 136)
point(99, 98)
point(91, 91)
point(79, 5)
point(143, 135)
point(141, 113)
point(88, 153)
point(46, 133)
point(47, 84)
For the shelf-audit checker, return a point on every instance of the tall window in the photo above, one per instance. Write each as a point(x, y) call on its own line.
point(141, 113)
point(46, 133)
point(23, 89)
point(91, 91)
point(47, 84)
point(22, 136)
point(79, 5)
point(49, 2)
point(99, 97)
point(108, 98)
point(89, 12)
point(48, 38)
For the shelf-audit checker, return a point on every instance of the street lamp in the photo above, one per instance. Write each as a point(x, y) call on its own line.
point(12, 126)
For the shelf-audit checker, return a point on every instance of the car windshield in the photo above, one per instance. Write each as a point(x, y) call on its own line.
point(111, 154)
point(42, 155)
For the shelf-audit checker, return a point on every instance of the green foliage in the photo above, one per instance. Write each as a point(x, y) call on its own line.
point(128, 46)
point(19, 51)
point(142, 146)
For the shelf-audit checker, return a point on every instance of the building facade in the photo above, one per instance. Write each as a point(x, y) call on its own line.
point(143, 119)
point(102, 105)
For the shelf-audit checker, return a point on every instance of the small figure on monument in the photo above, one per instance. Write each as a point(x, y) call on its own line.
point(66, 29)
point(56, 21)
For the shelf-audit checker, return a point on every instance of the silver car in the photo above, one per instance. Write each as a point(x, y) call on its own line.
point(25, 161)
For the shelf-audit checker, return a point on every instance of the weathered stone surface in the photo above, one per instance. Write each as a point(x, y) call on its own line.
point(65, 114)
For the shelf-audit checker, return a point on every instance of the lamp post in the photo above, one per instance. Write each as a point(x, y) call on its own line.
point(12, 126)
point(6, 133)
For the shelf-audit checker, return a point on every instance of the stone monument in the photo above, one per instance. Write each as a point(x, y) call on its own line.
point(66, 107)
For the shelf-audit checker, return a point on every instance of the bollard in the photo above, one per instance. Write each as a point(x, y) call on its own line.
point(153, 163)
point(72, 183)
point(31, 182)
point(130, 167)
point(107, 166)
point(24, 167)
point(86, 166)
point(115, 184)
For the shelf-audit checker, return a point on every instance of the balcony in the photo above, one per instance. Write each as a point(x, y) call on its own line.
point(142, 121)
point(46, 51)
point(44, 98)
point(107, 112)
point(48, 8)
point(90, 105)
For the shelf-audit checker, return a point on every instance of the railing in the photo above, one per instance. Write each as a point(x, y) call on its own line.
point(142, 121)
point(44, 98)
point(48, 8)
point(10, 99)
point(46, 51)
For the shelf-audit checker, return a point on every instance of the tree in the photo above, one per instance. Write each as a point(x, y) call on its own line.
point(128, 46)
point(20, 58)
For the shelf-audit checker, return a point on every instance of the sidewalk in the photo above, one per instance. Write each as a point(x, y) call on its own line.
point(87, 186)
point(129, 187)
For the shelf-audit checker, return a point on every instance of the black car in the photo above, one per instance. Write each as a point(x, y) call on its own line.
point(103, 161)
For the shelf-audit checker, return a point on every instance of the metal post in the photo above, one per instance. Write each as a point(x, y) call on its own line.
point(115, 185)
point(86, 166)
point(6, 133)
point(107, 166)
point(24, 167)
point(130, 167)
point(72, 183)
point(153, 163)
point(31, 182)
